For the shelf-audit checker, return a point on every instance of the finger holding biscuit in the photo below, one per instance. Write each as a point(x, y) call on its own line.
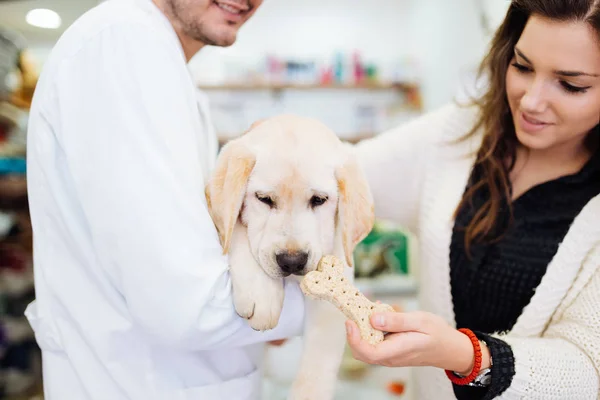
point(414, 339)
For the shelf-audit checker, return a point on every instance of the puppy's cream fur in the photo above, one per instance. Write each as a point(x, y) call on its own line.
point(261, 199)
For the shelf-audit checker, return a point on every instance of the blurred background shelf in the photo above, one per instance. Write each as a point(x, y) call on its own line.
point(404, 87)
point(354, 111)
point(387, 285)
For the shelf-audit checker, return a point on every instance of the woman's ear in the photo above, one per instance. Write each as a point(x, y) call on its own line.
point(226, 189)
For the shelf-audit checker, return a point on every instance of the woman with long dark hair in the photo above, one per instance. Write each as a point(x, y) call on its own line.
point(503, 194)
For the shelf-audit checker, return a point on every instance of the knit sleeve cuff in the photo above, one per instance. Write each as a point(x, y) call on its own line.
point(503, 370)
point(503, 365)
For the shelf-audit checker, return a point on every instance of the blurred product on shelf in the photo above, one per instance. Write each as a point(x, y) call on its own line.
point(345, 69)
point(18, 78)
point(11, 44)
point(19, 357)
point(396, 387)
point(19, 354)
point(13, 133)
point(27, 80)
point(385, 251)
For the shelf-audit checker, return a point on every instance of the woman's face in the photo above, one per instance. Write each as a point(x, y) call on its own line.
point(553, 83)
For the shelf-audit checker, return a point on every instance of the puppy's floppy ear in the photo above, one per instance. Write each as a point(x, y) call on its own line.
point(227, 187)
point(356, 214)
point(254, 125)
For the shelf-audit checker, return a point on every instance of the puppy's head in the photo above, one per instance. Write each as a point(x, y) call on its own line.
point(298, 191)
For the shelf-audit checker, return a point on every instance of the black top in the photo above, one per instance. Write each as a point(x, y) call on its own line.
point(490, 289)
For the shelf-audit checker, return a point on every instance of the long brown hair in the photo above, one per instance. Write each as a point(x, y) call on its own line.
point(496, 156)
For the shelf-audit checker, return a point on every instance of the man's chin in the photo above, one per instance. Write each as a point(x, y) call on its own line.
point(222, 39)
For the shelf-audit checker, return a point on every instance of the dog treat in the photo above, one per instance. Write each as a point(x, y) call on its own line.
point(328, 283)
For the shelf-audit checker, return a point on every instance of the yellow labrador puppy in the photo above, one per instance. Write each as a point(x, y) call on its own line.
point(282, 196)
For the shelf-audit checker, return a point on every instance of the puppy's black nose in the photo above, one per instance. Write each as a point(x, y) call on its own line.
point(292, 262)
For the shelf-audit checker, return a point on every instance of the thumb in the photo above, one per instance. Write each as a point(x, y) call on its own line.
point(396, 322)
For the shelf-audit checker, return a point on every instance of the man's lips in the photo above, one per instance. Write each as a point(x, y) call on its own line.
point(232, 6)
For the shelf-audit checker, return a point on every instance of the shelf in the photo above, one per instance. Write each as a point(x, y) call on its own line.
point(405, 87)
point(410, 91)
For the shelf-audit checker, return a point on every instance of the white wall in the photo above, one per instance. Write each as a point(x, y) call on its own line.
point(450, 43)
point(495, 10)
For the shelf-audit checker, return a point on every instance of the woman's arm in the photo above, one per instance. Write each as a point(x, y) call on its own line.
point(395, 161)
point(563, 364)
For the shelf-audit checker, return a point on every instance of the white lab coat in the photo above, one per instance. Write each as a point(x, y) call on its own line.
point(133, 295)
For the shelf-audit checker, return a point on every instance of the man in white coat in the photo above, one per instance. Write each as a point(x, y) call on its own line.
point(133, 295)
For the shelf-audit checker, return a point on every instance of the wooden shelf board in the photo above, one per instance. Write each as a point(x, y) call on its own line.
point(266, 86)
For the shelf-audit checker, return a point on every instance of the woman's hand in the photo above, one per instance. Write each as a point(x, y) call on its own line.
point(416, 339)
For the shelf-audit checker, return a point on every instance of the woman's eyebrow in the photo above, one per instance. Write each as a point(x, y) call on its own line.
point(559, 72)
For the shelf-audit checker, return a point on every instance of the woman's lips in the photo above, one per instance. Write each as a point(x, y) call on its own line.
point(530, 124)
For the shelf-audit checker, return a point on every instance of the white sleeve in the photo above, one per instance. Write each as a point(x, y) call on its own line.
point(565, 362)
point(395, 164)
point(128, 133)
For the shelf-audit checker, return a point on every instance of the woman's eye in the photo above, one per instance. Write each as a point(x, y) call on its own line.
point(317, 201)
point(521, 67)
point(265, 199)
point(565, 85)
point(573, 89)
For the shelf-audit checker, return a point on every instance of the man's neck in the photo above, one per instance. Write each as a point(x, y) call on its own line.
point(190, 46)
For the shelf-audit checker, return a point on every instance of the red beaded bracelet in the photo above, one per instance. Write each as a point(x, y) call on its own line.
point(477, 365)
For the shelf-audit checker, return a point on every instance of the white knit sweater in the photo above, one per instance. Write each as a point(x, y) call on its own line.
point(417, 178)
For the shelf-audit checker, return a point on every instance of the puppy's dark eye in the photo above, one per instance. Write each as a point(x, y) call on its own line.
point(317, 201)
point(265, 199)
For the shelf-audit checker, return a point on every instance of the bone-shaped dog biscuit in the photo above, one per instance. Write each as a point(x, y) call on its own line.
point(328, 283)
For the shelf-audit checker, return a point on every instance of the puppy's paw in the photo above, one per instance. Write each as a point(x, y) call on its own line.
point(260, 301)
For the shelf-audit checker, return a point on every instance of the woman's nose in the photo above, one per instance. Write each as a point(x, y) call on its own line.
point(534, 100)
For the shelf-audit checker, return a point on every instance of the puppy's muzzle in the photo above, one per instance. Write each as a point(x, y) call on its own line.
point(292, 262)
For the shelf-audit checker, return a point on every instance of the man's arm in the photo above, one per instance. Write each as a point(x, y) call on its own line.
point(128, 133)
